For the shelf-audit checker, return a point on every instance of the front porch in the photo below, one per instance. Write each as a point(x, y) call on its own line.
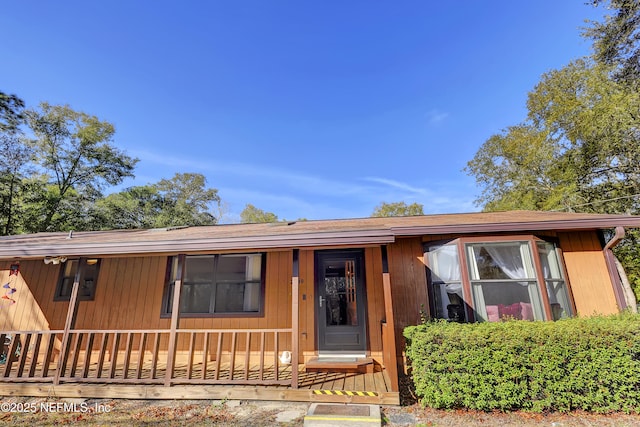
point(136, 364)
point(94, 351)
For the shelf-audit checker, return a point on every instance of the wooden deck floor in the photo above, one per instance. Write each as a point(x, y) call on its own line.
point(312, 386)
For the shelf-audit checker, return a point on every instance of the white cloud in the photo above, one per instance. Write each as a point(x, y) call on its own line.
point(397, 184)
point(436, 116)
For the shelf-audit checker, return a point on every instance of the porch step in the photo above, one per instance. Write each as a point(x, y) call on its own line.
point(333, 414)
point(337, 364)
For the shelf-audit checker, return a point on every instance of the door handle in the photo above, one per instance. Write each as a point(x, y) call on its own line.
point(321, 301)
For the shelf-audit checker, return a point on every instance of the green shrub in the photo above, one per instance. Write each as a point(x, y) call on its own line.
point(592, 364)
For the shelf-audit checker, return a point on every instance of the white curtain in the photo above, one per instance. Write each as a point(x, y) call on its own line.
point(516, 263)
point(445, 267)
point(509, 259)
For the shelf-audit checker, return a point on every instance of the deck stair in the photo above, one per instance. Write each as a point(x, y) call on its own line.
point(327, 415)
point(340, 364)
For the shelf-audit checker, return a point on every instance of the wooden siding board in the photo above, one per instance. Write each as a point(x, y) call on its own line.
point(58, 308)
point(125, 306)
point(375, 297)
point(155, 289)
point(105, 296)
point(408, 284)
point(24, 302)
point(586, 267)
point(5, 321)
point(11, 313)
point(42, 284)
point(30, 308)
point(307, 271)
point(141, 289)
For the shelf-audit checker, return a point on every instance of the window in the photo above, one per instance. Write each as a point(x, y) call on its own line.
point(503, 281)
point(497, 279)
point(559, 298)
point(446, 282)
point(217, 285)
point(87, 289)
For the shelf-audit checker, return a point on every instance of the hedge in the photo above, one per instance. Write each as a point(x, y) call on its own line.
point(592, 364)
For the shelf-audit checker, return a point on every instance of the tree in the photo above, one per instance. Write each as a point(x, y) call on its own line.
point(186, 201)
point(616, 41)
point(397, 209)
point(14, 161)
point(76, 152)
point(182, 200)
point(579, 149)
point(14, 167)
point(498, 166)
point(252, 215)
point(11, 113)
point(133, 208)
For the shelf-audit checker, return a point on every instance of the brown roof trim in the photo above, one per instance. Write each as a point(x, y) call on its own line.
point(320, 233)
point(580, 224)
point(364, 237)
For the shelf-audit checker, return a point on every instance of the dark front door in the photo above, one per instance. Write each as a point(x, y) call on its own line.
point(340, 301)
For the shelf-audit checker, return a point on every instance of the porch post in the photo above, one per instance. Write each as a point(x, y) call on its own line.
point(390, 356)
point(70, 322)
point(295, 318)
point(175, 318)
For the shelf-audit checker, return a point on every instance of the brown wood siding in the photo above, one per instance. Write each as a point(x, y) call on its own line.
point(375, 300)
point(588, 274)
point(129, 296)
point(27, 311)
point(408, 284)
point(307, 304)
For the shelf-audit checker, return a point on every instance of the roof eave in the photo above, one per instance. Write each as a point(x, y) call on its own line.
point(558, 225)
point(198, 245)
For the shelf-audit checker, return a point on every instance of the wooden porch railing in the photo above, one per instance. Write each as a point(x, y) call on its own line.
point(204, 356)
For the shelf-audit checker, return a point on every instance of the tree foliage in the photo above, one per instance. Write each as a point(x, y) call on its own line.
point(14, 168)
point(14, 162)
point(616, 41)
point(186, 201)
point(579, 149)
point(134, 207)
point(54, 179)
point(385, 209)
point(183, 200)
point(11, 113)
point(252, 215)
point(76, 154)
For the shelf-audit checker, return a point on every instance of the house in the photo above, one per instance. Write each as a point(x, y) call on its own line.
point(307, 310)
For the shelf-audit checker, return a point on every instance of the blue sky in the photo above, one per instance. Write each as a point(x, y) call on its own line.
point(314, 109)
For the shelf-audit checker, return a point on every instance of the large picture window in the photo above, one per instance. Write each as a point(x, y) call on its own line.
point(496, 280)
point(503, 281)
point(217, 285)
